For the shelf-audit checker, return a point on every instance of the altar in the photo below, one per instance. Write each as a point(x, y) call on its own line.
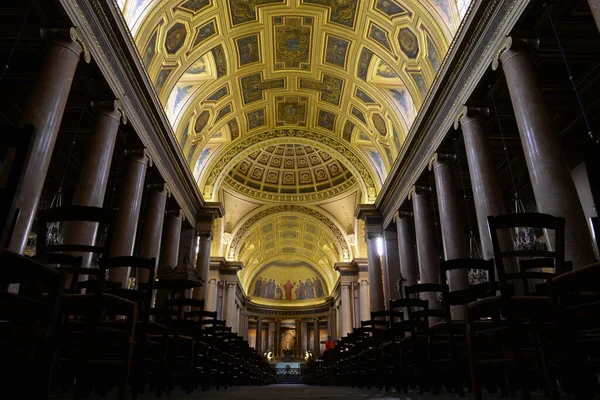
point(288, 372)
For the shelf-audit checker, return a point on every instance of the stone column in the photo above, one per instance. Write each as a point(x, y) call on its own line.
point(45, 111)
point(549, 173)
point(169, 247)
point(304, 336)
point(375, 274)
point(392, 262)
point(427, 251)
point(91, 185)
point(153, 228)
point(259, 329)
point(130, 203)
point(346, 302)
point(277, 338)
point(210, 302)
point(297, 345)
point(230, 304)
point(595, 8)
point(454, 237)
point(316, 339)
point(269, 336)
point(406, 248)
point(308, 337)
point(203, 263)
point(363, 296)
point(484, 183)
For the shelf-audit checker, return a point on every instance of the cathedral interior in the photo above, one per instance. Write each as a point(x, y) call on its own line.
point(396, 196)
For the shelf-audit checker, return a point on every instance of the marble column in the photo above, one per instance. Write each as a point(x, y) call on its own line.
point(153, 228)
point(44, 111)
point(203, 263)
point(595, 8)
point(316, 339)
point(363, 300)
point(169, 248)
point(454, 237)
point(406, 248)
point(427, 251)
point(303, 337)
point(375, 274)
point(346, 300)
point(210, 302)
point(549, 173)
point(392, 262)
point(308, 338)
point(269, 336)
point(487, 196)
point(298, 346)
point(259, 329)
point(277, 338)
point(130, 203)
point(230, 305)
point(91, 185)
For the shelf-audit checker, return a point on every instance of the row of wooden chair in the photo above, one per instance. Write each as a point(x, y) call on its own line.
point(65, 327)
point(533, 328)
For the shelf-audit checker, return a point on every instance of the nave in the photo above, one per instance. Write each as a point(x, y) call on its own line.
point(297, 392)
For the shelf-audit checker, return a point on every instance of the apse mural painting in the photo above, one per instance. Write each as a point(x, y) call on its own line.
point(288, 283)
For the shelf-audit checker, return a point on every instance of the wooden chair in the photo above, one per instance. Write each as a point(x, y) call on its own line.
point(576, 296)
point(146, 355)
point(373, 359)
point(524, 316)
point(28, 323)
point(452, 357)
point(88, 345)
point(408, 329)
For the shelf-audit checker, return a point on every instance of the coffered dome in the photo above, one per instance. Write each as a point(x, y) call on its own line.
point(291, 171)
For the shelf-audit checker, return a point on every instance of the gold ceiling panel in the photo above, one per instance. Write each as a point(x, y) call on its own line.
point(291, 102)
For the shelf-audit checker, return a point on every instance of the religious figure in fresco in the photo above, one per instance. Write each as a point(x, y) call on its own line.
point(299, 291)
point(318, 287)
point(288, 289)
point(302, 290)
point(278, 293)
point(263, 289)
point(310, 290)
point(271, 289)
point(258, 286)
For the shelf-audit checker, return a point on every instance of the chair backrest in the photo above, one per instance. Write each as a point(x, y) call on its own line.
point(70, 267)
point(554, 257)
point(474, 292)
point(142, 295)
point(415, 320)
point(14, 149)
point(40, 289)
point(104, 217)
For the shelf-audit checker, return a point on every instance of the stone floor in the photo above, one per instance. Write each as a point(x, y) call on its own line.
point(294, 392)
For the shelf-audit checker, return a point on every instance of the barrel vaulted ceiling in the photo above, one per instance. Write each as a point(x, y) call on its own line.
point(291, 103)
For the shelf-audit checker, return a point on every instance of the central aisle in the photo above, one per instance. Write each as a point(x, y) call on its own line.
point(287, 392)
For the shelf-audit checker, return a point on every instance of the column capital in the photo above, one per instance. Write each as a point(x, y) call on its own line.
point(439, 158)
point(402, 214)
point(512, 43)
point(469, 112)
point(159, 187)
point(71, 34)
point(141, 153)
point(418, 190)
point(113, 106)
point(176, 212)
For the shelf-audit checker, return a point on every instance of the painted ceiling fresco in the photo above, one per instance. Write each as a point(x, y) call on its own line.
point(299, 102)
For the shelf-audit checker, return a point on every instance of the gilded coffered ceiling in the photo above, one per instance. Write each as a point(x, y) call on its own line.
point(285, 102)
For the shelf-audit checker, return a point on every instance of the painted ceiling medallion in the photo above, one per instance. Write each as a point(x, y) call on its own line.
point(293, 37)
